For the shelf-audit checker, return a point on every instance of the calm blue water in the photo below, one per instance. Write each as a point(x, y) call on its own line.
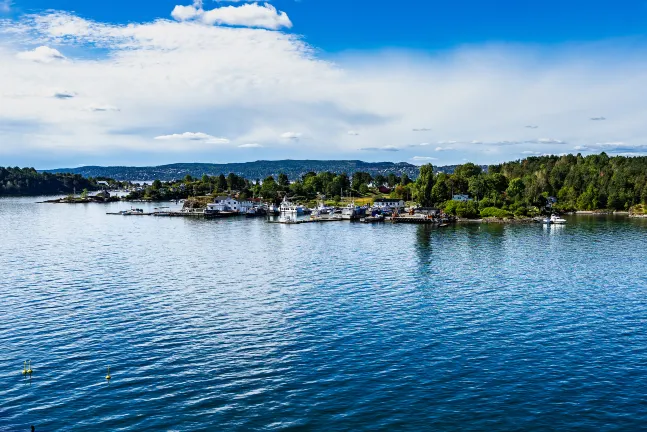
point(244, 325)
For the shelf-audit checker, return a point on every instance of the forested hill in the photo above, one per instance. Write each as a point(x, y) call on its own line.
point(27, 181)
point(250, 170)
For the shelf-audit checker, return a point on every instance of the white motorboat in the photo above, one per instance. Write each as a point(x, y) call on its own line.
point(554, 219)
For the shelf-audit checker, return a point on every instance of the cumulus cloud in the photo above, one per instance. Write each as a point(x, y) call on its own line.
point(250, 145)
point(291, 135)
point(248, 15)
point(42, 54)
point(251, 84)
point(194, 136)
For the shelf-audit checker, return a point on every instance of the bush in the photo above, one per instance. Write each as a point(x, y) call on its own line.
point(495, 212)
point(485, 203)
point(468, 209)
point(521, 212)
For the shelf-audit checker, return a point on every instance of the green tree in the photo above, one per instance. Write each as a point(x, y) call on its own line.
point(424, 185)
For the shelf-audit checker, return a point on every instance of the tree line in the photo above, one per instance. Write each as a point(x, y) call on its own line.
point(28, 181)
point(529, 186)
point(524, 187)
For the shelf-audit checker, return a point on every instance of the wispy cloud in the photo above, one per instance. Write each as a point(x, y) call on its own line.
point(598, 118)
point(291, 135)
point(532, 127)
point(352, 132)
point(194, 136)
point(62, 94)
point(384, 148)
point(101, 108)
point(5, 6)
point(250, 145)
point(616, 147)
point(421, 129)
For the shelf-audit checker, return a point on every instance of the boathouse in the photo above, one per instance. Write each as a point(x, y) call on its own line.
point(389, 203)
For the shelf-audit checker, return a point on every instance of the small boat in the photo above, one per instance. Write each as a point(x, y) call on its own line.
point(273, 210)
point(255, 211)
point(132, 212)
point(554, 219)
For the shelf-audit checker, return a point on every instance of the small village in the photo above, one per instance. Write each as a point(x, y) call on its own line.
point(392, 210)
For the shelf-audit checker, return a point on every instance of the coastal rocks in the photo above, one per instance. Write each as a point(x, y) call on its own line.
point(638, 211)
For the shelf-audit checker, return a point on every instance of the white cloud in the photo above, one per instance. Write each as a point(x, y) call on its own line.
point(598, 118)
point(194, 136)
point(184, 13)
point(423, 158)
point(101, 108)
point(439, 149)
point(42, 54)
point(247, 15)
point(250, 85)
point(5, 6)
point(291, 135)
point(421, 129)
point(388, 148)
point(251, 145)
point(354, 133)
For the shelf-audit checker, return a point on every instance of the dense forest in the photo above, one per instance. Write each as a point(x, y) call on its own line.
point(27, 181)
point(529, 186)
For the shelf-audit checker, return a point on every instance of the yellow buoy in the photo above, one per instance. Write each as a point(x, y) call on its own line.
point(29, 371)
point(24, 368)
point(108, 377)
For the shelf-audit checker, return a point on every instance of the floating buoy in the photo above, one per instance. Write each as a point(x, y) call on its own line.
point(108, 377)
point(29, 371)
point(24, 368)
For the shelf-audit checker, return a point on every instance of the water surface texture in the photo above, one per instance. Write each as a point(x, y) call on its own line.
point(242, 325)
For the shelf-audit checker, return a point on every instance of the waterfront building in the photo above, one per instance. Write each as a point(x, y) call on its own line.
point(389, 203)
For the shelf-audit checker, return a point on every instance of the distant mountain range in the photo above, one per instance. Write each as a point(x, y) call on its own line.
point(252, 170)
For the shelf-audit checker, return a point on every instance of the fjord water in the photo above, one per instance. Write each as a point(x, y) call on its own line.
point(242, 325)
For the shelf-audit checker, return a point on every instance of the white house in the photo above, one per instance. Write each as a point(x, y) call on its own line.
point(388, 203)
point(461, 198)
point(224, 203)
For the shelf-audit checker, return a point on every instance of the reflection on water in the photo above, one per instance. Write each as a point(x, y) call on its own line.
point(237, 324)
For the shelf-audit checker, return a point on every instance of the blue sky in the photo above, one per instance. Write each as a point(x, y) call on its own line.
point(140, 83)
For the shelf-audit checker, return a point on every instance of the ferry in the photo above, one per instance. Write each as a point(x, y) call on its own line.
point(288, 208)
